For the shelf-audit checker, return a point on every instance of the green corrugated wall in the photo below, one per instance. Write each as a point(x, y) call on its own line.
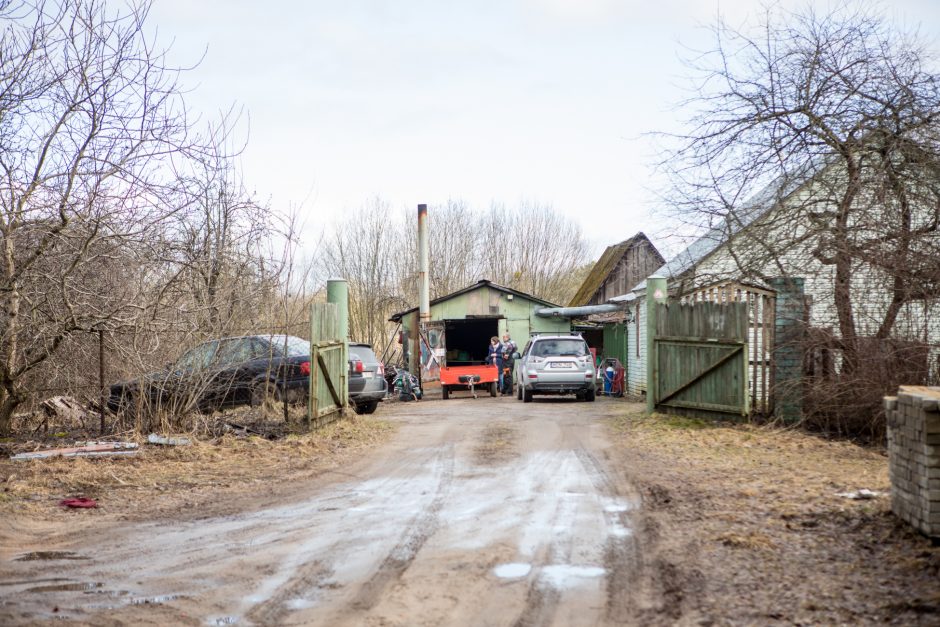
point(615, 341)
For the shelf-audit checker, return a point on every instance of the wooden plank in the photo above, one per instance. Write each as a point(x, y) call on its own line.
point(328, 363)
point(328, 379)
point(716, 407)
point(92, 449)
point(701, 374)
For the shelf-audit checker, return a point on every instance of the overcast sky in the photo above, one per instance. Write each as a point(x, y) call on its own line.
point(483, 100)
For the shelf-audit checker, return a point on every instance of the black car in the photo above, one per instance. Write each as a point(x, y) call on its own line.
point(223, 373)
point(367, 385)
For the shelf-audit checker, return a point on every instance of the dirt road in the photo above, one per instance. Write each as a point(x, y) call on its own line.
point(484, 512)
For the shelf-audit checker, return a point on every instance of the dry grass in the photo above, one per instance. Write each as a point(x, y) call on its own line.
point(767, 463)
point(180, 474)
point(754, 513)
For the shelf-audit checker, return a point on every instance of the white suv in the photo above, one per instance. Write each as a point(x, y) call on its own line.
point(556, 364)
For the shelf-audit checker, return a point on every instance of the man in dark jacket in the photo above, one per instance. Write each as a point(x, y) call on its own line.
point(509, 349)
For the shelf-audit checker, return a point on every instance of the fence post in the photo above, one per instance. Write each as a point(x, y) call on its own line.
point(101, 385)
point(655, 295)
point(312, 400)
point(788, 348)
point(337, 292)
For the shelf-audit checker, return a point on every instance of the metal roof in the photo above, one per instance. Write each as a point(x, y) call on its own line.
point(481, 283)
point(755, 208)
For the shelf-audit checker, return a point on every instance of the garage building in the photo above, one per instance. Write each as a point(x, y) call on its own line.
point(463, 322)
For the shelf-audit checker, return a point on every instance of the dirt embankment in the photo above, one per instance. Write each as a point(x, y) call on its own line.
point(743, 525)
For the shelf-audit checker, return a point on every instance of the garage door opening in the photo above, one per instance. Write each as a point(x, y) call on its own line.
point(468, 340)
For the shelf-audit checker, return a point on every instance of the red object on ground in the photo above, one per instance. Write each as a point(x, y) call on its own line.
point(451, 375)
point(79, 502)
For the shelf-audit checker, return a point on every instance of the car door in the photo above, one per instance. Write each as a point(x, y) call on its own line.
point(232, 372)
point(186, 381)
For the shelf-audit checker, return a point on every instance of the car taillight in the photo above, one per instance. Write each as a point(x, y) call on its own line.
point(359, 367)
point(305, 368)
point(381, 370)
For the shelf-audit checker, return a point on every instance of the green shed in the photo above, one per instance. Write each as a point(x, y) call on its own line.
point(463, 322)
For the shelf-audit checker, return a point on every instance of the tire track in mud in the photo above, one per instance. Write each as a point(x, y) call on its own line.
point(621, 553)
point(275, 608)
point(412, 540)
point(542, 600)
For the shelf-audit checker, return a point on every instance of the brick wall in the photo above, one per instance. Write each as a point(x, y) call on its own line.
point(913, 418)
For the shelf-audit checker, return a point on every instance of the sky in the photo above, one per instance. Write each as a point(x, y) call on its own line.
point(421, 101)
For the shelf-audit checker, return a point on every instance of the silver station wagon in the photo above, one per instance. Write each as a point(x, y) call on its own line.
point(555, 364)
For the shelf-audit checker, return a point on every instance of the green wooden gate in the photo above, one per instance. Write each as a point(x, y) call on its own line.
point(699, 358)
point(329, 365)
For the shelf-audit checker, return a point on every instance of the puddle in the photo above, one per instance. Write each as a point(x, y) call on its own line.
point(568, 576)
point(512, 571)
point(619, 531)
point(299, 604)
point(163, 598)
point(67, 587)
point(49, 555)
point(224, 620)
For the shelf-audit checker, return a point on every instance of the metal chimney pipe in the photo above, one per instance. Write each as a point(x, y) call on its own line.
point(424, 283)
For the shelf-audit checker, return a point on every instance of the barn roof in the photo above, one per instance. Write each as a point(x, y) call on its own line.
point(605, 265)
point(481, 283)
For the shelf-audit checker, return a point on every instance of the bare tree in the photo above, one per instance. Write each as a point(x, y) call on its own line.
point(90, 119)
point(217, 243)
point(364, 249)
point(531, 248)
point(833, 118)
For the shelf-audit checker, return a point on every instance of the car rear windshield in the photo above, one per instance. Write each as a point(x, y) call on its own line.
point(296, 347)
point(561, 347)
point(363, 354)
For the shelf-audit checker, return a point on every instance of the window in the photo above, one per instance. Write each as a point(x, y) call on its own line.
point(235, 352)
point(562, 347)
point(198, 358)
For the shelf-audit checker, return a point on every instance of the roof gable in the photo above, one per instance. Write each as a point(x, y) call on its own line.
point(754, 209)
point(478, 285)
point(604, 266)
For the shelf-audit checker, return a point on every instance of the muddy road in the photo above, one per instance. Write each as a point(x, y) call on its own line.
point(483, 512)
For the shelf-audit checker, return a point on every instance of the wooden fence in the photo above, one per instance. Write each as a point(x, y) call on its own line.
point(699, 360)
point(329, 366)
point(761, 307)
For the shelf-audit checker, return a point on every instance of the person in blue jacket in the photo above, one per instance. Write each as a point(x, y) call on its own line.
point(494, 355)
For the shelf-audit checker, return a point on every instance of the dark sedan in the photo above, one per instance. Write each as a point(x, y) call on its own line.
point(223, 373)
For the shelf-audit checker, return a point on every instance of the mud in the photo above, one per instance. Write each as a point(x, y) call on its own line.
point(491, 512)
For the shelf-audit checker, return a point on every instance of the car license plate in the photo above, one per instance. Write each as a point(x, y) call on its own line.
point(561, 364)
point(367, 374)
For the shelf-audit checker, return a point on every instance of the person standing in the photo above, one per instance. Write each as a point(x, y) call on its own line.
point(509, 349)
point(494, 356)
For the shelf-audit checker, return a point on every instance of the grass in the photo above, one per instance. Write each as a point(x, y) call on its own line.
point(228, 461)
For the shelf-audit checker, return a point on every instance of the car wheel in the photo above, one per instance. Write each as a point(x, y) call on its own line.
point(445, 393)
point(526, 395)
point(493, 389)
point(264, 391)
point(366, 408)
point(589, 396)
